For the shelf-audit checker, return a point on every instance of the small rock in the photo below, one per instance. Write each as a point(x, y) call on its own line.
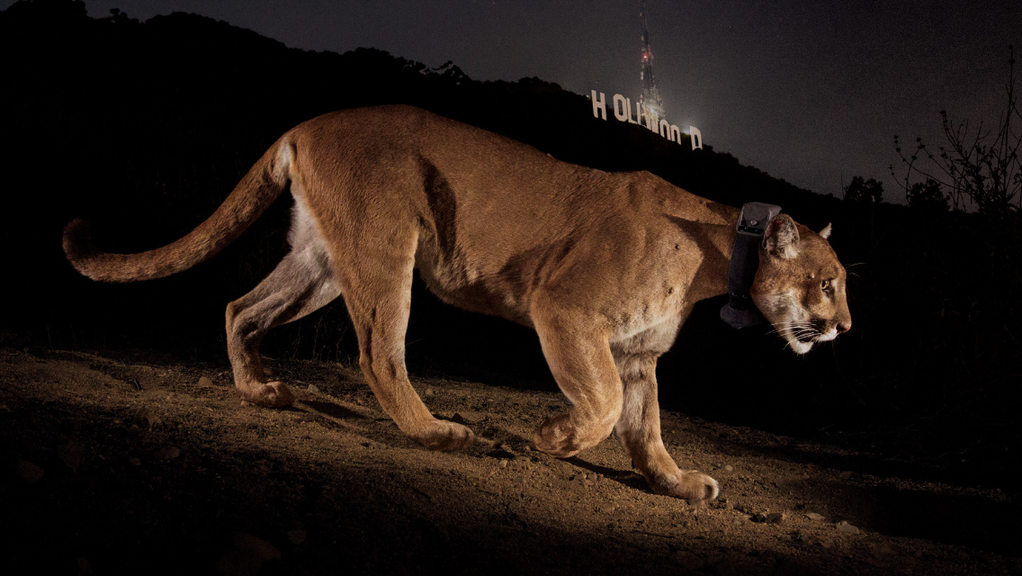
point(313, 388)
point(167, 453)
point(729, 468)
point(845, 527)
point(297, 536)
point(205, 381)
point(144, 418)
point(814, 516)
point(71, 455)
point(689, 561)
point(503, 463)
point(821, 542)
point(28, 472)
point(844, 475)
point(246, 556)
point(775, 518)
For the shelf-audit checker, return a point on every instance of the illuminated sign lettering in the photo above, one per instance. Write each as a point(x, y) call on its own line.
point(623, 111)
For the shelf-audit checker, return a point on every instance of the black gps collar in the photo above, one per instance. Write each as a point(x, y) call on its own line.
point(740, 312)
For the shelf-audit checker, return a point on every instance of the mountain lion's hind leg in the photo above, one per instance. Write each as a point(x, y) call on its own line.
point(378, 295)
point(639, 431)
point(302, 283)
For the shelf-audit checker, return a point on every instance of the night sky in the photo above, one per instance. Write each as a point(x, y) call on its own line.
point(812, 92)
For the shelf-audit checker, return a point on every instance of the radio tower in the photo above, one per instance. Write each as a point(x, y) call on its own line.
point(649, 100)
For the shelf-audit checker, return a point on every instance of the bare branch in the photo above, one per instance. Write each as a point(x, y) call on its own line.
point(975, 169)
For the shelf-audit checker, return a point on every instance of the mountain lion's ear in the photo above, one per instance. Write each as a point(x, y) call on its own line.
point(781, 237)
point(825, 233)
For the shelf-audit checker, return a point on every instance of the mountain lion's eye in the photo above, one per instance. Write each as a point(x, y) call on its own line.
point(825, 284)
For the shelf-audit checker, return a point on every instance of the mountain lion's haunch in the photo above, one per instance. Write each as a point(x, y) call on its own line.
point(604, 266)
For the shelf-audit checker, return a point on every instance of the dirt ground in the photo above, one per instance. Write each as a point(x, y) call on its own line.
point(148, 466)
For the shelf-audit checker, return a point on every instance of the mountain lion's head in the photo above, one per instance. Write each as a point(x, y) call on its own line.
point(800, 285)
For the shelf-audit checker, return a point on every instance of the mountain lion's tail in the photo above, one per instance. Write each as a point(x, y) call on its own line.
point(251, 197)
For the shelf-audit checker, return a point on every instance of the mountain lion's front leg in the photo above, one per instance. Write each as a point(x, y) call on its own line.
point(579, 357)
point(639, 431)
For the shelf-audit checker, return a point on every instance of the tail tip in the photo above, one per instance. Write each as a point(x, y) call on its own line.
point(78, 246)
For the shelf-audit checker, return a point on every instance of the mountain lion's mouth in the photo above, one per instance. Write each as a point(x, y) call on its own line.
point(805, 338)
point(807, 331)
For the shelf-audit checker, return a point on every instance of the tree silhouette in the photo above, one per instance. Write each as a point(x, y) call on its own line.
point(927, 196)
point(864, 191)
point(975, 169)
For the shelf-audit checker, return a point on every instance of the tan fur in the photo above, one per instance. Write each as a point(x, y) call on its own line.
point(605, 267)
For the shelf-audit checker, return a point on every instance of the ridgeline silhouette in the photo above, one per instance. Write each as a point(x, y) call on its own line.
point(144, 127)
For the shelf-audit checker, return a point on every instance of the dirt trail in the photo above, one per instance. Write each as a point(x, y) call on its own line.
point(137, 468)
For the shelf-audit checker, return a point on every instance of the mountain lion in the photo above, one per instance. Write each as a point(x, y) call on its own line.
point(604, 266)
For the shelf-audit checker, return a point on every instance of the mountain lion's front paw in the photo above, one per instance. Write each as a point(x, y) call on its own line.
point(557, 437)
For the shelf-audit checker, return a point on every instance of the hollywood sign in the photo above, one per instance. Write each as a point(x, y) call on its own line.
point(623, 113)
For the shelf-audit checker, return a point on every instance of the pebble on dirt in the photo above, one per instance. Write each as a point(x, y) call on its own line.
point(144, 418)
point(28, 472)
point(71, 455)
point(246, 556)
point(167, 453)
point(844, 526)
point(297, 536)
